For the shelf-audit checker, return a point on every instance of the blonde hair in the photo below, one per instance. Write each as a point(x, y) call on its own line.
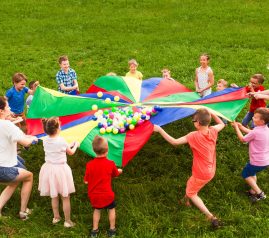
point(133, 61)
point(18, 77)
point(99, 145)
point(165, 70)
point(223, 82)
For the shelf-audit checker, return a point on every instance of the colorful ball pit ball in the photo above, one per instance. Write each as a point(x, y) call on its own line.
point(99, 94)
point(116, 98)
point(102, 130)
point(131, 126)
point(122, 130)
point(108, 100)
point(94, 107)
point(108, 129)
point(100, 125)
point(115, 131)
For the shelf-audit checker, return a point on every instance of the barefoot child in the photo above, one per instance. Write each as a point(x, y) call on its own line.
point(98, 176)
point(203, 145)
point(258, 140)
point(55, 177)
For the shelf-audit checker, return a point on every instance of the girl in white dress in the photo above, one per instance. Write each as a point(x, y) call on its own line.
point(204, 77)
point(55, 177)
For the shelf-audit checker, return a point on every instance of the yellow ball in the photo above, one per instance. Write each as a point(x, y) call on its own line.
point(115, 131)
point(99, 94)
point(108, 100)
point(94, 107)
point(108, 129)
point(131, 127)
point(116, 98)
point(102, 130)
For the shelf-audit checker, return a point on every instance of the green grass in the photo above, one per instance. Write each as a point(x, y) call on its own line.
point(101, 36)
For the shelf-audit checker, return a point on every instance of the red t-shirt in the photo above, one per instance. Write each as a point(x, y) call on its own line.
point(204, 153)
point(256, 103)
point(99, 173)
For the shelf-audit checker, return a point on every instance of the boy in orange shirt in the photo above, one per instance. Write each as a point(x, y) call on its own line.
point(203, 145)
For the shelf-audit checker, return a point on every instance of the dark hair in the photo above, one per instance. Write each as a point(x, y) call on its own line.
point(206, 55)
point(62, 58)
point(3, 103)
point(259, 77)
point(18, 77)
point(51, 125)
point(264, 114)
point(203, 116)
point(31, 84)
point(99, 145)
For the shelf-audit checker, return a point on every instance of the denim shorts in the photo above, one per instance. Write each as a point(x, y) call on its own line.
point(8, 174)
point(251, 170)
point(110, 206)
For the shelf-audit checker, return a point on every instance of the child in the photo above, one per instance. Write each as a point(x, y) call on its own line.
point(66, 77)
point(166, 74)
point(29, 99)
point(255, 85)
point(55, 177)
point(15, 95)
point(98, 175)
point(203, 145)
point(258, 140)
point(204, 78)
point(222, 84)
point(133, 72)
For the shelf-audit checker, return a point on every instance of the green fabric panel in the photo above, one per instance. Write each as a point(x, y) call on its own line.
point(115, 145)
point(118, 85)
point(229, 109)
point(46, 105)
point(178, 97)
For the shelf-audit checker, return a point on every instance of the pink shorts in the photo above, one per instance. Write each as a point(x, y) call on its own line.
point(194, 185)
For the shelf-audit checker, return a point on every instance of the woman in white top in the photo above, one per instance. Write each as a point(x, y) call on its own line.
point(204, 77)
point(12, 169)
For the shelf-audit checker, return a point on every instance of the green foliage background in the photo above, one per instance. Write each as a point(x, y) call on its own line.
point(100, 36)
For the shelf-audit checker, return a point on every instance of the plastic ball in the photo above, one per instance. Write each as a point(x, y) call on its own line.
point(143, 117)
point(108, 129)
point(100, 112)
point(134, 121)
point(126, 125)
point(102, 130)
point(116, 98)
point(108, 100)
point(94, 107)
point(157, 108)
point(115, 131)
point(111, 115)
point(121, 123)
point(140, 122)
point(100, 125)
point(131, 126)
point(99, 94)
point(113, 109)
point(94, 118)
point(106, 112)
point(129, 120)
point(122, 130)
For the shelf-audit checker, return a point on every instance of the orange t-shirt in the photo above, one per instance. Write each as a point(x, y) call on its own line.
point(204, 153)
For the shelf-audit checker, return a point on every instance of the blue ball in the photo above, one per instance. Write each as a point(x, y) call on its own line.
point(94, 118)
point(158, 108)
point(126, 125)
point(100, 125)
point(143, 117)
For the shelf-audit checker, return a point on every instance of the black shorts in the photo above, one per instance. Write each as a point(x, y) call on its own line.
point(110, 206)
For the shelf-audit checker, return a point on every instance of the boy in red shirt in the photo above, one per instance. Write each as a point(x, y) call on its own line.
point(203, 145)
point(255, 86)
point(98, 176)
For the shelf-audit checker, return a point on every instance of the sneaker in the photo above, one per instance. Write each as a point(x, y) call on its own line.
point(94, 233)
point(25, 215)
point(111, 232)
point(250, 195)
point(215, 223)
point(258, 197)
point(69, 224)
point(56, 220)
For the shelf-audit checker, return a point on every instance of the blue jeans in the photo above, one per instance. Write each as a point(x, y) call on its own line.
point(247, 119)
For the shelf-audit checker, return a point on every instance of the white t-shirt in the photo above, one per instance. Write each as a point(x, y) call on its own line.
point(9, 136)
point(55, 150)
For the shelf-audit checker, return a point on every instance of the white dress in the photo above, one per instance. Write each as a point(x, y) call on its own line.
point(55, 177)
point(203, 77)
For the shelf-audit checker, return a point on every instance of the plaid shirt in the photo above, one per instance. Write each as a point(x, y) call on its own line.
point(66, 79)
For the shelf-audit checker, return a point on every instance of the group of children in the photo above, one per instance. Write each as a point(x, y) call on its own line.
point(55, 178)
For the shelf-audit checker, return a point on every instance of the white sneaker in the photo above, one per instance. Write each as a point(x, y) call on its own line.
point(69, 224)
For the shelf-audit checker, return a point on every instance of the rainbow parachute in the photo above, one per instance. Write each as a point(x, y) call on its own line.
point(78, 119)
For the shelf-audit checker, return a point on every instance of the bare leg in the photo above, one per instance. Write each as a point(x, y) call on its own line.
point(6, 194)
point(252, 182)
point(96, 218)
point(55, 207)
point(67, 209)
point(197, 201)
point(112, 218)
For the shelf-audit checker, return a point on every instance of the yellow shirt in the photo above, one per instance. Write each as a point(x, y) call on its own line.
point(137, 75)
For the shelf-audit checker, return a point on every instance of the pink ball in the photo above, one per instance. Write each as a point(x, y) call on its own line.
point(122, 130)
point(140, 122)
point(111, 115)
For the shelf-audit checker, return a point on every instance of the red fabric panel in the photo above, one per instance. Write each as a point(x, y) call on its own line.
point(167, 87)
point(135, 140)
point(35, 127)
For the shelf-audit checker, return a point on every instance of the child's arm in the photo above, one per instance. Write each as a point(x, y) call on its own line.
point(233, 85)
point(243, 128)
point(238, 132)
point(71, 149)
point(32, 91)
point(180, 141)
point(261, 96)
point(220, 124)
point(27, 140)
point(197, 89)
point(64, 88)
point(210, 81)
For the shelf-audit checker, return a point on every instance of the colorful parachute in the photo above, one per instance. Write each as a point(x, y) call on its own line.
point(78, 117)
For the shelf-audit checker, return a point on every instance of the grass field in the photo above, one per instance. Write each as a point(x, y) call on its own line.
point(100, 36)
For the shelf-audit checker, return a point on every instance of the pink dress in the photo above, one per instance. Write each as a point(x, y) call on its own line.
point(55, 175)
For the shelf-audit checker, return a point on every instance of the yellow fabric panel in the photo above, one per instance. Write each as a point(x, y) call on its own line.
point(135, 86)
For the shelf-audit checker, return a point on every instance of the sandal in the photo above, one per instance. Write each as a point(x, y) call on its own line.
point(69, 224)
point(25, 215)
point(56, 220)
